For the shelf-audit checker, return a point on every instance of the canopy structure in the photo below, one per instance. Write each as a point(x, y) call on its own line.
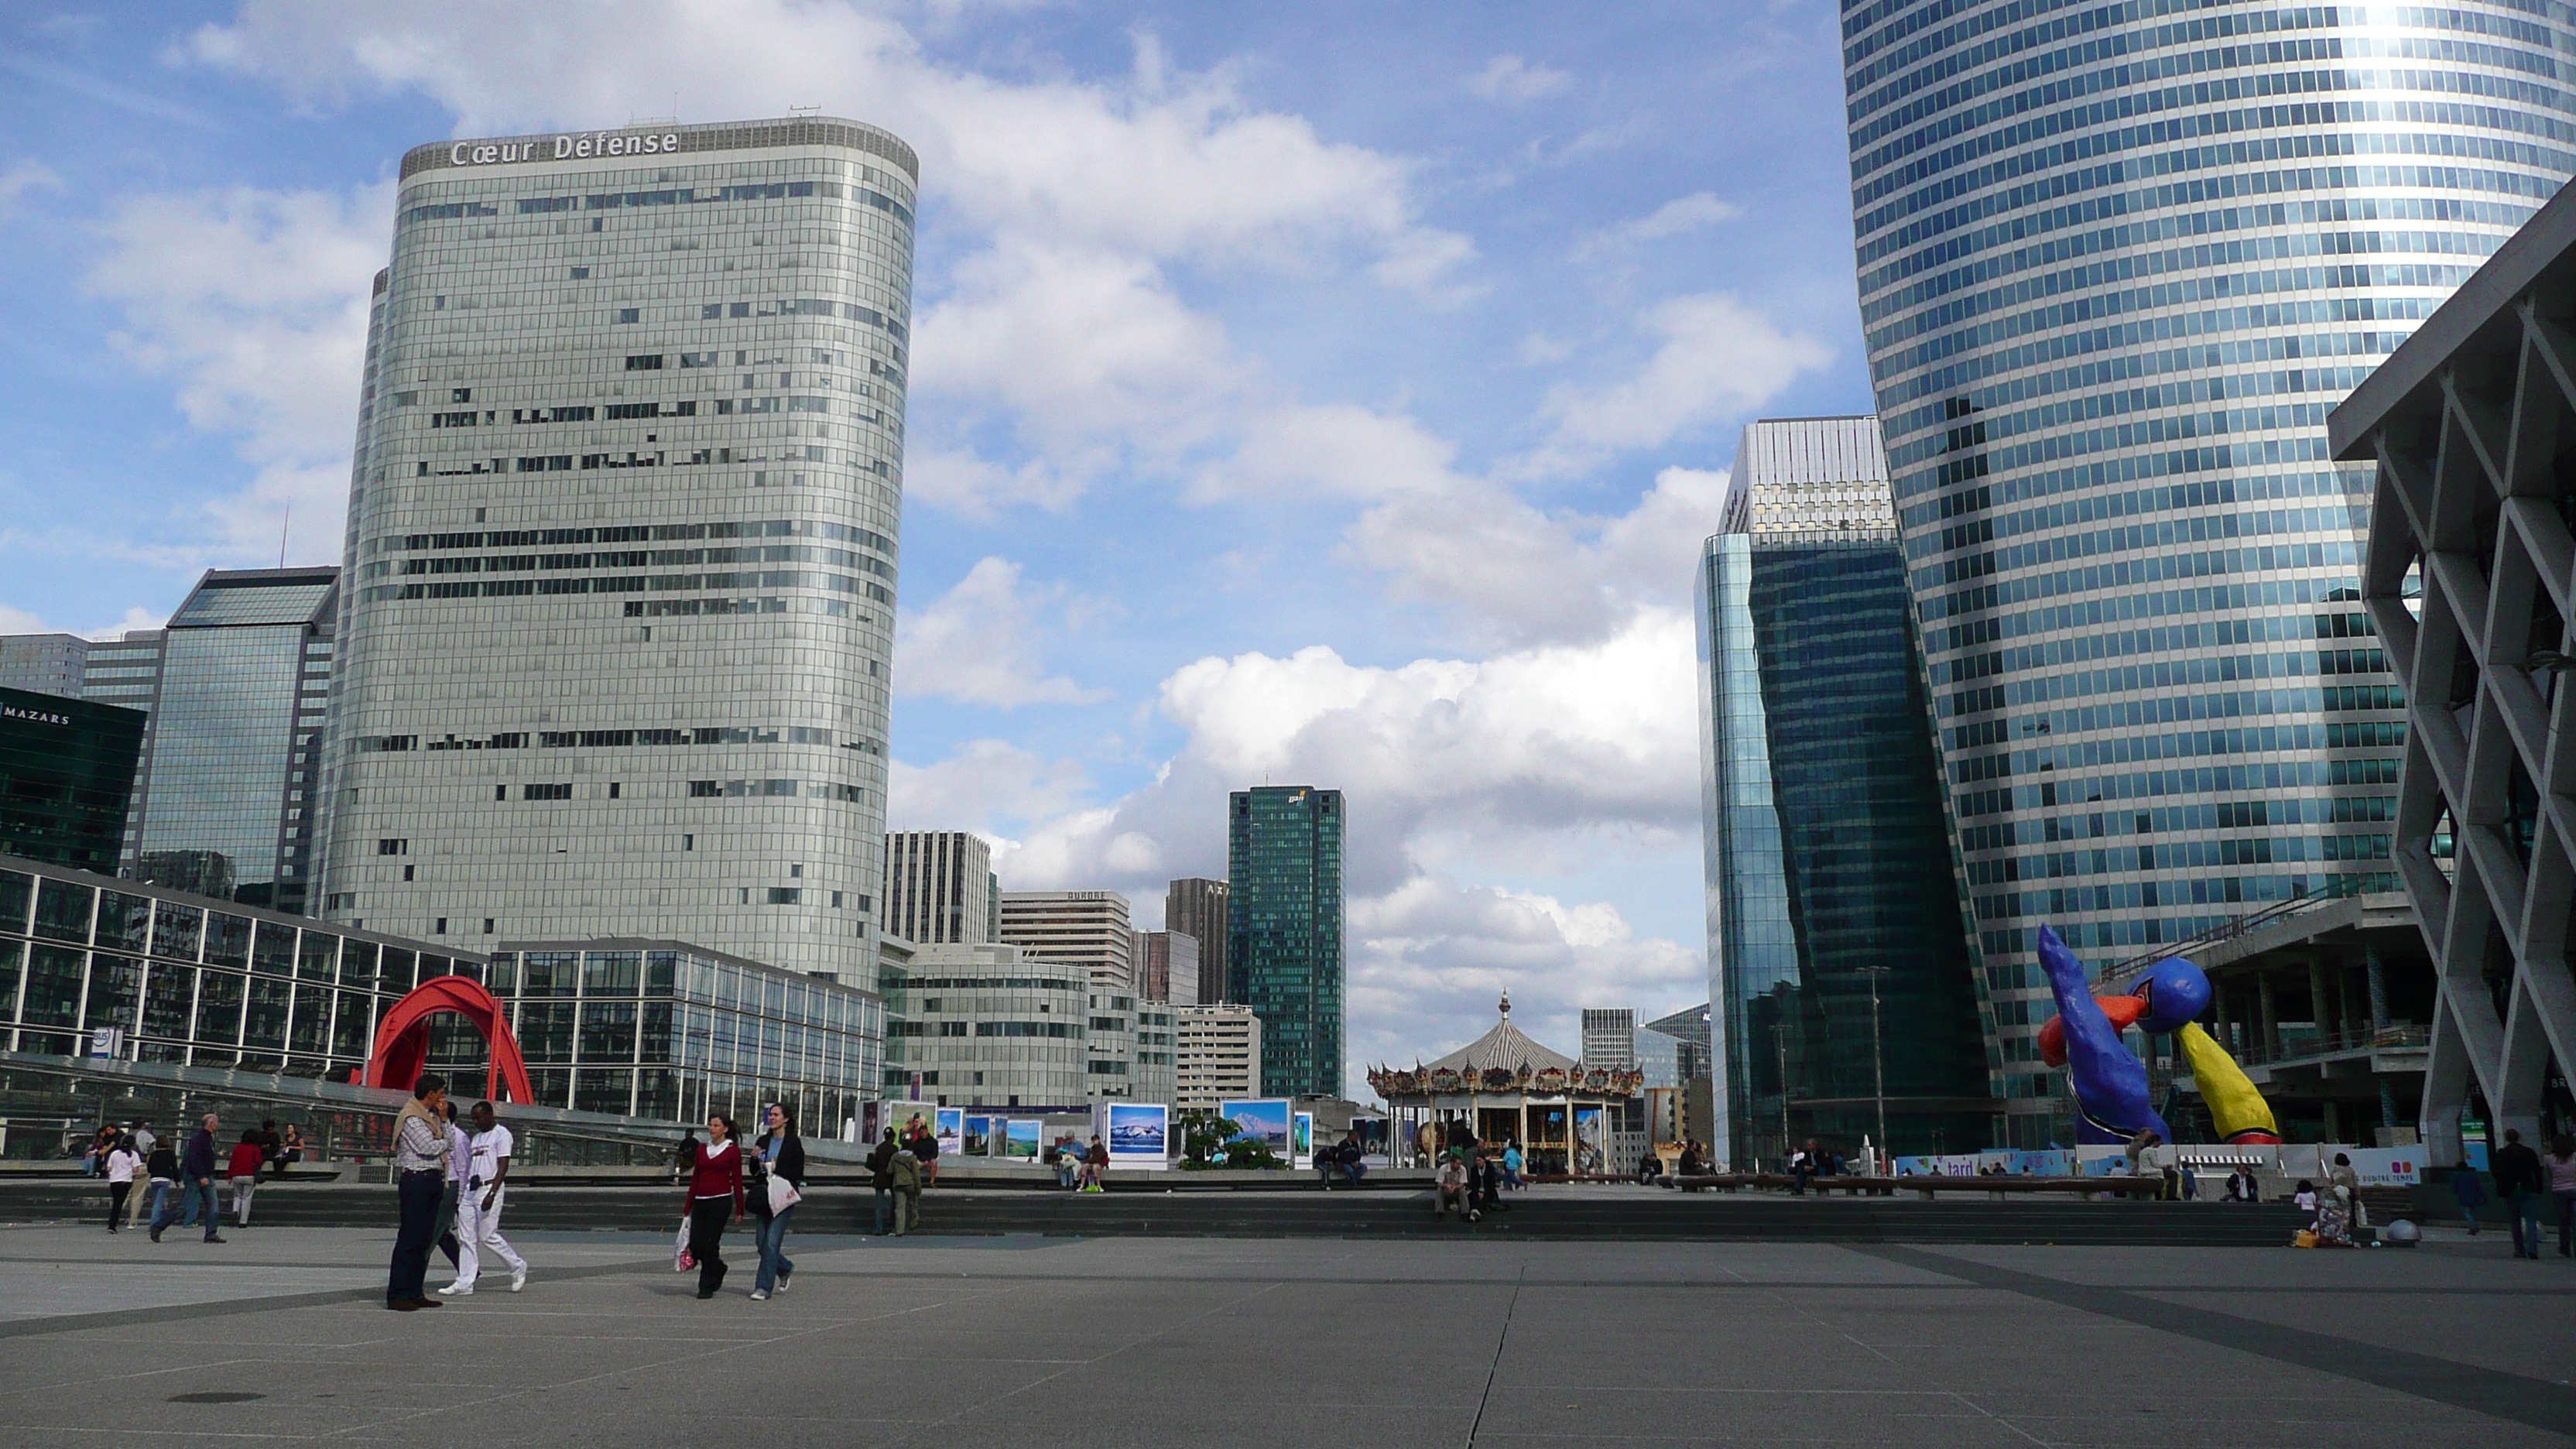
point(1507, 1087)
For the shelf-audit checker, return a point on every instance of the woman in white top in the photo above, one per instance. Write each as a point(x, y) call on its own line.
point(122, 1163)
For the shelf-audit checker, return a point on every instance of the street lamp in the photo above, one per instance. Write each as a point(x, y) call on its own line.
point(1780, 1044)
point(1877, 1056)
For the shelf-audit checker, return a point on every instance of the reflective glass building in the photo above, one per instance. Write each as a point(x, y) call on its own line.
point(66, 774)
point(2116, 263)
point(621, 543)
point(1826, 848)
point(1285, 919)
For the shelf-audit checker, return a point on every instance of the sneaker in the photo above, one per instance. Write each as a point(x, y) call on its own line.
point(706, 1293)
point(782, 1285)
point(218, 1240)
point(519, 1280)
point(457, 1290)
point(759, 1295)
point(156, 1235)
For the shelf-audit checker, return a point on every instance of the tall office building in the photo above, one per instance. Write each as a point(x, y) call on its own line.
point(939, 887)
point(1689, 1027)
point(1199, 909)
point(236, 687)
point(1826, 848)
point(66, 775)
point(2113, 281)
point(1220, 1056)
point(1088, 929)
point(1285, 958)
point(43, 663)
point(621, 543)
point(1167, 962)
point(1609, 1036)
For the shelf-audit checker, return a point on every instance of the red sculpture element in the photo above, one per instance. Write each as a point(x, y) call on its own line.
point(2124, 1012)
point(402, 1038)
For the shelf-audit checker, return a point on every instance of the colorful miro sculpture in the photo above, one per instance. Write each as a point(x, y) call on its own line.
point(2111, 1094)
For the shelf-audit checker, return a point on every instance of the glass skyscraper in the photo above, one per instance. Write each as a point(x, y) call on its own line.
point(1827, 852)
point(621, 543)
point(66, 774)
point(1284, 905)
point(2116, 264)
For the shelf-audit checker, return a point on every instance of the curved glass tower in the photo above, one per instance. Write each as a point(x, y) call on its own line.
point(618, 604)
point(2116, 265)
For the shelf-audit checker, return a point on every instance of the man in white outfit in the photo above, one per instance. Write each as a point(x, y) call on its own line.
point(478, 1207)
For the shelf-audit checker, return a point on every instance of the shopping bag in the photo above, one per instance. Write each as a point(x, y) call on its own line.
point(782, 1195)
point(682, 1260)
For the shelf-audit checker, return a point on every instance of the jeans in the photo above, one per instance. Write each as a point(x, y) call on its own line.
point(885, 1211)
point(243, 1187)
point(2522, 1209)
point(194, 1193)
point(407, 1274)
point(160, 1195)
point(775, 1266)
point(116, 1195)
point(2566, 1204)
point(444, 1225)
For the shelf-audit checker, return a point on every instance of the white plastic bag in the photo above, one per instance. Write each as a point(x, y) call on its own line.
point(682, 1260)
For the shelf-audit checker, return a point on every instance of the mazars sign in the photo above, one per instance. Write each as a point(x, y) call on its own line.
point(562, 148)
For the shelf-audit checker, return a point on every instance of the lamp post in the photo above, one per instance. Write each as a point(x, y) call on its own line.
point(1780, 1044)
point(1877, 1056)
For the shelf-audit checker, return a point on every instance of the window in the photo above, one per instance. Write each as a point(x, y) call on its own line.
point(393, 847)
point(648, 362)
point(487, 925)
point(703, 789)
point(547, 792)
point(406, 873)
point(579, 274)
point(460, 394)
point(438, 927)
point(784, 895)
point(625, 314)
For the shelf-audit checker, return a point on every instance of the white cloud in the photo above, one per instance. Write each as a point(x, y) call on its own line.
point(1683, 214)
point(19, 621)
point(254, 303)
point(978, 644)
point(136, 617)
point(25, 176)
point(1333, 450)
point(987, 786)
point(1717, 359)
point(1510, 79)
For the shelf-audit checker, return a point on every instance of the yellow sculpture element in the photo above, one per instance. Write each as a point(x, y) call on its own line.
point(2236, 1110)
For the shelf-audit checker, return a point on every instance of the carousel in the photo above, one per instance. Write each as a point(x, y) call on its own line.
point(1505, 1087)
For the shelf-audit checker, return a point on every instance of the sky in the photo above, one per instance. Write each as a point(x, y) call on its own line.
point(1333, 395)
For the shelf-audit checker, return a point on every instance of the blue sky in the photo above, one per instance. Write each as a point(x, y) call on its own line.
point(1335, 397)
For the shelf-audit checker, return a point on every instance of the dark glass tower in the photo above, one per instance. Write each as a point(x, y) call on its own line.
point(1828, 862)
point(66, 774)
point(1285, 958)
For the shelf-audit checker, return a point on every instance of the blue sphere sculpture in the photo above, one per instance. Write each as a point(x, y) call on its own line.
point(2176, 992)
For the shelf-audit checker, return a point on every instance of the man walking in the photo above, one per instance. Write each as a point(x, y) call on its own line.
point(197, 1183)
point(420, 1166)
point(881, 1178)
point(2516, 1170)
point(478, 1210)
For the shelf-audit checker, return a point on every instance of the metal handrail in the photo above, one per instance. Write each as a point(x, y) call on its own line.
point(2223, 931)
point(2329, 1043)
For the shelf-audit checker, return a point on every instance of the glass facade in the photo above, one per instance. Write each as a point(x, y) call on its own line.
point(664, 1030)
point(66, 773)
point(987, 1025)
point(1826, 844)
point(621, 543)
point(2116, 265)
point(1284, 958)
point(191, 981)
point(239, 684)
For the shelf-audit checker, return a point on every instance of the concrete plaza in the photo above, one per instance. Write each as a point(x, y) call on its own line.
point(1258, 1342)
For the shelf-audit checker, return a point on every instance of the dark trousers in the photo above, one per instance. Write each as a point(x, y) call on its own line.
point(117, 1192)
point(418, 1192)
point(707, 1217)
point(444, 1225)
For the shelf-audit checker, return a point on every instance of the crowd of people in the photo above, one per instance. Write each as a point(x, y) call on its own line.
point(131, 1156)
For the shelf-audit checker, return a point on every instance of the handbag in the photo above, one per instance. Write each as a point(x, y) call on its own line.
point(782, 1195)
point(682, 1260)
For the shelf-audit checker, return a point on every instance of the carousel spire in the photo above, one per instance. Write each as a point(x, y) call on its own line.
point(1507, 1005)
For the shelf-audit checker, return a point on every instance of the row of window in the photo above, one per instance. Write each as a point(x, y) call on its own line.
point(2157, 568)
point(632, 533)
point(622, 738)
point(452, 467)
point(2161, 604)
point(2084, 648)
point(2172, 855)
point(635, 558)
point(629, 584)
point(2201, 780)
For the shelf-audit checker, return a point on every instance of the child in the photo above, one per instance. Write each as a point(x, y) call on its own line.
point(2306, 1198)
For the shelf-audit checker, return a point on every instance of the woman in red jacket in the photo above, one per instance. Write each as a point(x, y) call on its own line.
point(715, 1191)
point(248, 1155)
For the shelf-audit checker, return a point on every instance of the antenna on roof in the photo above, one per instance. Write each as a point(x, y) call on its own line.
point(281, 534)
point(804, 110)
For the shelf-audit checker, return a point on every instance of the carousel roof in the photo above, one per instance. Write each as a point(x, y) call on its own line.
point(1507, 1047)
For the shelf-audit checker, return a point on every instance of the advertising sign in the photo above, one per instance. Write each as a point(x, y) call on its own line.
point(903, 1117)
point(952, 1130)
point(1372, 1135)
point(1262, 1119)
point(1591, 1141)
point(1020, 1140)
point(1301, 1140)
point(979, 1136)
point(1138, 1134)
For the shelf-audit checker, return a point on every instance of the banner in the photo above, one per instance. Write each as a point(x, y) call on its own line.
point(979, 1136)
point(1591, 1142)
point(1262, 1119)
point(1301, 1140)
point(902, 1117)
point(1138, 1134)
point(1020, 1140)
point(952, 1130)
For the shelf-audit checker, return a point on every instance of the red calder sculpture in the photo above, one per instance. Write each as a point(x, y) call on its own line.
point(402, 1038)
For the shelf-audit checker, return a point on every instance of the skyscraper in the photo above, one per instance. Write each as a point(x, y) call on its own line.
point(1285, 903)
point(1827, 853)
point(2115, 272)
point(1167, 967)
point(236, 686)
point(1198, 909)
point(939, 887)
point(1609, 1036)
point(1088, 929)
point(66, 773)
point(622, 542)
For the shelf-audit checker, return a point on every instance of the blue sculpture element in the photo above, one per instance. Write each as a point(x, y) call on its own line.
point(2176, 991)
point(2111, 1100)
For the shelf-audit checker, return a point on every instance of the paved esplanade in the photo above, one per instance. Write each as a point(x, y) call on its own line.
point(1054, 1341)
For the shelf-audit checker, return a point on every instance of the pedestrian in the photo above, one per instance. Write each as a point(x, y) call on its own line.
point(715, 1194)
point(196, 1183)
point(478, 1207)
point(101, 1142)
point(783, 1152)
point(451, 1188)
point(141, 1135)
point(2345, 1183)
point(684, 1156)
point(244, 1175)
point(2518, 1180)
point(925, 1146)
point(1802, 1166)
point(881, 1178)
point(163, 1167)
point(2562, 1189)
point(2469, 1193)
point(272, 1147)
point(121, 1165)
point(1452, 1182)
point(293, 1152)
point(1512, 1160)
point(907, 1191)
point(1095, 1167)
point(420, 1173)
